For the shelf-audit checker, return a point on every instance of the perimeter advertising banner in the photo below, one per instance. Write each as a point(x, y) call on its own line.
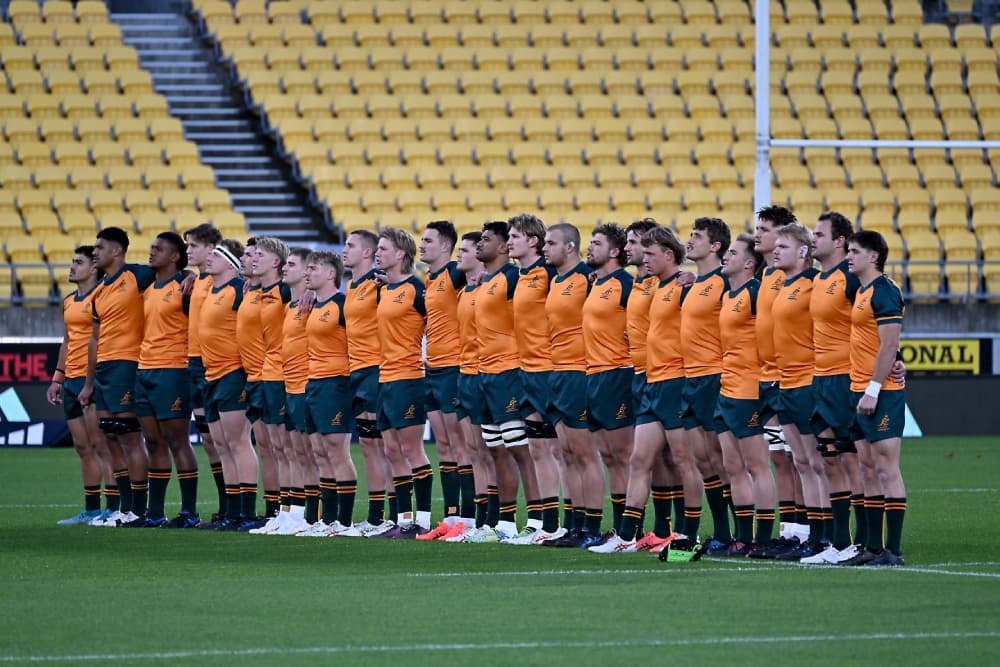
point(947, 356)
point(26, 417)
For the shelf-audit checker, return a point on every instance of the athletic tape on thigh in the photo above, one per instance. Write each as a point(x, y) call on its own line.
point(367, 429)
point(534, 429)
point(492, 435)
point(514, 433)
point(119, 425)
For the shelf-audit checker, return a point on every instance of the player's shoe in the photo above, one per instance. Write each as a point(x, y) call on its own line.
point(318, 529)
point(658, 548)
point(779, 547)
point(824, 557)
point(213, 523)
point(125, 519)
point(271, 525)
point(716, 547)
point(468, 532)
point(227, 525)
point(682, 550)
point(614, 545)
point(348, 531)
point(100, 518)
point(81, 519)
point(595, 540)
point(291, 526)
point(455, 530)
point(154, 522)
point(885, 559)
point(541, 537)
point(737, 549)
point(385, 530)
point(845, 554)
point(648, 541)
point(372, 529)
point(863, 555)
point(570, 539)
point(439, 531)
point(506, 530)
point(250, 523)
point(526, 536)
point(184, 520)
point(410, 531)
point(483, 535)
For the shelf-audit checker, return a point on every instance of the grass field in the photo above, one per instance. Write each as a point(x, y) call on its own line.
point(98, 595)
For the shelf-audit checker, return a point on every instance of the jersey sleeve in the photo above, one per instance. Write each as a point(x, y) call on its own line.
point(852, 286)
point(626, 282)
point(753, 287)
point(511, 274)
point(887, 303)
point(418, 297)
point(286, 293)
point(457, 277)
point(340, 299)
point(238, 289)
point(144, 275)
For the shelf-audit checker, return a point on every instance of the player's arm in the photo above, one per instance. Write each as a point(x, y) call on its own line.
point(888, 335)
point(54, 393)
point(88, 385)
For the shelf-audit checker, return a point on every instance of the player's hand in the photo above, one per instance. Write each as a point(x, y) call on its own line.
point(477, 278)
point(54, 393)
point(187, 285)
point(307, 301)
point(380, 279)
point(86, 394)
point(686, 278)
point(866, 406)
point(898, 372)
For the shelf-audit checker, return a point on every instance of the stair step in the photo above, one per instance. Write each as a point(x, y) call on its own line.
point(252, 186)
point(204, 111)
point(244, 159)
point(218, 101)
point(182, 88)
point(201, 138)
point(206, 78)
point(233, 124)
point(164, 43)
point(279, 211)
point(266, 197)
point(281, 221)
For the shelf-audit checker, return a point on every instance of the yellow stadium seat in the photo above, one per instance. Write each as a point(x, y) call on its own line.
point(913, 203)
point(490, 153)
point(40, 222)
point(48, 177)
point(144, 154)
point(284, 13)
point(891, 128)
point(197, 177)
point(212, 201)
point(976, 177)
point(433, 177)
point(381, 154)
point(959, 127)
point(418, 107)
point(471, 83)
point(178, 202)
point(87, 59)
point(466, 177)
point(923, 245)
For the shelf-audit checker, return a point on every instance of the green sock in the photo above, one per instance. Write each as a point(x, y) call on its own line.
point(641, 530)
point(895, 510)
point(840, 505)
point(328, 496)
point(311, 512)
point(448, 471)
point(744, 523)
point(376, 507)
point(719, 507)
point(875, 509)
point(568, 514)
point(482, 509)
point(112, 501)
point(423, 483)
point(297, 496)
point(188, 481)
point(140, 493)
point(628, 527)
point(467, 486)
point(233, 502)
point(827, 514)
point(550, 514)
point(860, 518)
point(692, 521)
point(124, 490)
point(346, 491)
point(220, 485)
point(801, 515)
point(248, 500)
point(765, 526)
point(580, 518)
point(492, 505)
point(159, 478)
point(662, 501)
point(617, 507)
point(404, 495)
point(786, 512)
point(593, 520)
point(92, 498)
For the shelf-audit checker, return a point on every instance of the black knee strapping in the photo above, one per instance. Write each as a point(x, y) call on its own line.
point(534, 429)
point(119, 425)
point(201, 424)
point(845, 446)
point(826, 447)
point(548, 430)
point(129, 425)
point(367, 429)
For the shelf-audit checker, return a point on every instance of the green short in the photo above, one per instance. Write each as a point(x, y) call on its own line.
point(470, 399)
point(114, 386)
point(740, 416)
point(535, 390)
point(364, 389)
point(296, 416)
point(400, 404)
point(640, 408)
point(609, 400)
point(833, 405)
point(71, 388)
point(665, 403)
point(770, 401)
point(225, 394)
point(163, 393)
point(501, 396)
point(700, 396)
point(887, 421)
point(196, 371)
point(441, 385)
point(797, 408)
point(273, 392)
point(328, 405)
point(568, 394)
point(255, 401)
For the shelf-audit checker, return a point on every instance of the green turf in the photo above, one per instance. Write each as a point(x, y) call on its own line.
point(87, 595)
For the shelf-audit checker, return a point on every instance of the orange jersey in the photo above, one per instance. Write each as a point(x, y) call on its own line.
point(469, 362)
point(217, 323)
point(700, 343)
point(878, 303)
point(164, 342)
point(664, 360)
point(200, 291)
point(495, 321)
point(605, 339)
point(272, 319)
point(78, 315)
point(830, 307)
point(360, 311)
point(401, 321)
point(564, 310)
point(531, 329)
point(771, 282)
point(327, 339)
point(793, 331)
point(117, 303)
point(295, 349)
point(250, 334)
point(441, 299)
point(637, 321)
point(738, 334)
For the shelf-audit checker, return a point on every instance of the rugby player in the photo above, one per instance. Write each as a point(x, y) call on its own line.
point(112, 360)
point(163, 385)
point(67, 381)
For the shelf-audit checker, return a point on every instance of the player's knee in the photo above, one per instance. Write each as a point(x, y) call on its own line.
point(845, 446)
point(492, 435)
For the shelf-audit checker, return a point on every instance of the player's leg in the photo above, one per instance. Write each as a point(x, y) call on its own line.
point(176, 434)
point(742, 492)
point(755, 456)
point(230, 474)
point(447, 465)
point(103, 458)
point(90, 468)
point(616, 450)
point(338, 448)
point(377, 472)
point(516, 443)
point(159, 472)
point(236, 430)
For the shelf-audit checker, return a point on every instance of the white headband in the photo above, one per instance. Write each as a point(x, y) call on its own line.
point(223, 252)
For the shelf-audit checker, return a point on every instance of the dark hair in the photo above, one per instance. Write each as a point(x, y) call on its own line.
point(758, 259)
point(178, 243)
point(300, 252)
point(569, 233)
point(205, 233)
point(642, 226)
point(779, 215)
point(85, 250)
point(531, 226)
point(872, 240)
point(115, 235)
point(472, 236)
point(369, 236)
point(233, 246)
point(718, 232)
point(499, 228)
point(445, 230)
point(250, 241)
point(666, 239)
point(616, 237)
point(840, 226)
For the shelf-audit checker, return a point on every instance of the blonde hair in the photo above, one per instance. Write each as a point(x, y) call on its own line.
point(800, 234)
point(275, 246)
point(400, 240)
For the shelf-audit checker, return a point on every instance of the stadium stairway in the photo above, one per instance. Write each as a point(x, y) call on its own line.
point(184, 70)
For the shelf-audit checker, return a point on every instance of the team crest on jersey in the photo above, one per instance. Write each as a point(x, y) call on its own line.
point(511, 405)
point(738, 306)
point(669, 296)
point(121, 286)
point(883, 424)
point(706, 290)
point(832, 289)
point(126, 398)
point(568, 290)
point(440, 285)
point(622, 411)
point(168, 297)
point(255, 299)
point(338, 419)
point(776, 285)
point(533, 282)
point(361, 293)
point(492, 290)
point(411, 412)
point(218, 300)
point(754, 420)
point(862, 303)
point(794, 296)
point(606, 294)
point(399, 298)
point(325, 317)
point(177, 405)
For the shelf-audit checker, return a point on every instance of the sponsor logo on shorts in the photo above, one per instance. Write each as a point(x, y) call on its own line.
point(411, 412)
point(883, 424)
point(583, 416)
point(622, 411)
point(177, 405)
point(338, 419)
point(511, 405)
point(281, 412)
point(126, 398)
point(243, 396)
